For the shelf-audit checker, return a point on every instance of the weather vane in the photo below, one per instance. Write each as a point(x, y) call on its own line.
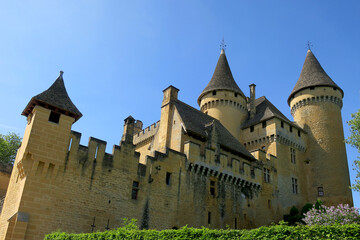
point(223, 45)
point(308, 45)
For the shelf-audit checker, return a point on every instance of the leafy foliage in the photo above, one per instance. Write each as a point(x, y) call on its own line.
point(341, 214)
point(9, 144)
point(348, 231)
point(295, 217)
point(354, 140)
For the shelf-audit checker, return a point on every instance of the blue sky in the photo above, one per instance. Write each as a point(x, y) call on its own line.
point(118, 56)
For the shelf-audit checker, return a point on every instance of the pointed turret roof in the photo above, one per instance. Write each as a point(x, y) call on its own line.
point(222, 78)
point(312, 75)
point(54, 98)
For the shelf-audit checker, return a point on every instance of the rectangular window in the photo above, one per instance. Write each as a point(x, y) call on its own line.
point(251, 128)
point(266, 175)
point(269, 204)
point(292, 155)
point(282, 124)
point(212, 188)
point(320, 191)
point(290, 128)
point(209, 217)
point(294, 185)
point(135, 190)
point(168, 176)
point(235, 223)
point(264, 124)
point(54, 117)
point(299, 133)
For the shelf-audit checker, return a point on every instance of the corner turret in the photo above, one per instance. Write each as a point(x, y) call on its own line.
point(56, 99)
point(316, 103)
point(223, 99)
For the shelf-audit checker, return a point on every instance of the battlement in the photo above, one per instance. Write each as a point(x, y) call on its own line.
point(236, 170)
point(146, 133)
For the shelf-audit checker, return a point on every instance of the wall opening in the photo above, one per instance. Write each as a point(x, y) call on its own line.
point(168, 177)
point(54, 117)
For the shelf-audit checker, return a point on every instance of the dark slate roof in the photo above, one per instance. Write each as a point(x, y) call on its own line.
point(196, 121)
point(222, 78)
point(55, 97)
point(312, 75)
point(265, 110)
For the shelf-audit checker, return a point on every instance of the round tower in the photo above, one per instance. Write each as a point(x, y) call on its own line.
point(316, 103)
point(223, 99)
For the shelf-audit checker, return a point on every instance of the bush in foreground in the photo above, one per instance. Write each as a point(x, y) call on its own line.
point(349, 231)
point(341, 214)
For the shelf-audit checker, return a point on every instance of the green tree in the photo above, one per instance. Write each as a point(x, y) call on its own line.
point(354, 140)
point(9, 144)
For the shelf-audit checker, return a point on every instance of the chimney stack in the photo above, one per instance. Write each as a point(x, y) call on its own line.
point(252, 100)
point(128, 134)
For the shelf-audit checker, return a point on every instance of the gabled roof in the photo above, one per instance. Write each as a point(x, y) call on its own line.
point(222, 78)
point(312, 75)
point(55, 97)
point(196, 122)
point(265, 110)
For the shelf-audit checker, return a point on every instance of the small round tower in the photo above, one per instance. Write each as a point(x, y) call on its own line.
point(316, 103)
point(223, 99)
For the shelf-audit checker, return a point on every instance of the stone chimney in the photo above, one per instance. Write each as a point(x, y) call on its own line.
point(128, 134)
point(170, 94)
point(252, 100)
point(138, 126)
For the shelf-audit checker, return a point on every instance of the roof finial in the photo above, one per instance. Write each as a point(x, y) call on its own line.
point(222, 45)
point(308, 45)
point(61, 73)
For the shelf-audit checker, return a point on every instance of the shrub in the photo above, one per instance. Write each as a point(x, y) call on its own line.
point(348, 231)
point(341, 214)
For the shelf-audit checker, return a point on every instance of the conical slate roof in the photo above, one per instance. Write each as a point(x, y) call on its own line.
point(222, 78)
point(312, 75)
point(54, 98)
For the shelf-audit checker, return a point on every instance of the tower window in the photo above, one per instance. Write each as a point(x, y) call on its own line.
point(54, 117)
point(282, 124)
point(266, 175)
point(214, 93)
point(290, 128)
point(294, 185)
point(209, 217)
point(299, 133)
point(312, 88)
point(135, 190)
point(251, 128)
point(212, 188)
point(264, 124)
point(320, 191)
point(236, 94)
point(292, 155)
point(168, 176)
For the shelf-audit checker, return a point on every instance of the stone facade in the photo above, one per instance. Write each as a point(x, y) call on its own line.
point(238, 162)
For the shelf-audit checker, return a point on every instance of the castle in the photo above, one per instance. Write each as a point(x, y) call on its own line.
point(238, 161)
